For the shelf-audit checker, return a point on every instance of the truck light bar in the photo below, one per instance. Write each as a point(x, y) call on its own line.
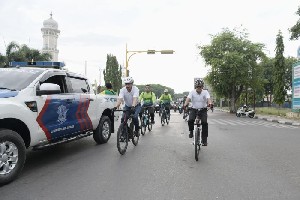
point(41, 64)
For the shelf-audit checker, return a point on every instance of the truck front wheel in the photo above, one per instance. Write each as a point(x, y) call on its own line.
point(12, 155)
point(103, 132)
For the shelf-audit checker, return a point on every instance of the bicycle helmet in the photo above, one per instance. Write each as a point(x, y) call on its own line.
point(166, 90)
point(128, 80)
point(199, 82)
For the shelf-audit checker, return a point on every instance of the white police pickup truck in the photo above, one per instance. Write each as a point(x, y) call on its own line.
point(42, 106)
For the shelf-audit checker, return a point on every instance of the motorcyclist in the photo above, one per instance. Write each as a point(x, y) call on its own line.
point(212, 106)
point(184, 110)
point(245, 108)
point(200, 99)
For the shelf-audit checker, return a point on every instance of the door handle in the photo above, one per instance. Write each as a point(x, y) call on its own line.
point(69, 101)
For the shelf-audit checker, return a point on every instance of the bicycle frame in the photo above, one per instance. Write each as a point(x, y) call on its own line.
point(197, 132)
point(125, 132)
point(164, 118)
point(145, 119)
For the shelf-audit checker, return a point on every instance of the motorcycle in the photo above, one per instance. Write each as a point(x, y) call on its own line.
point(175, 108)
point(245, 112)
point(180, 109)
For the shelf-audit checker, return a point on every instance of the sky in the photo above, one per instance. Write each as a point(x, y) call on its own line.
point(92, 29)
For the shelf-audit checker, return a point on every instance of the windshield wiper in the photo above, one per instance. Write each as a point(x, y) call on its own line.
point(3, 88)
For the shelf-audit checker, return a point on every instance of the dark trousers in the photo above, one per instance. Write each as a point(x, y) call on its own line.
point(135, 117)
point(150, 110)
point(166, 106)
point(203, 117)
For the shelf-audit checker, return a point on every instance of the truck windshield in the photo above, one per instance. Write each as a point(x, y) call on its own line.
point(17, 78)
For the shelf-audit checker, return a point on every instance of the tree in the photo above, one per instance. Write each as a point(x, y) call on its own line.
point(268, 65)
point(289, 61)
point(295, 30)
point(113, 72)
point(233, 61)
point(279, 71)
point(2, 60)
point(16, 52)
point(157, 89)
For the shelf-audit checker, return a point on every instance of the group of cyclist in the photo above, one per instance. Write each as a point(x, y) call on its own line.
point(199, 98)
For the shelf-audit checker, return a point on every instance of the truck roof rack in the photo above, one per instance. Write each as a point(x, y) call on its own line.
point(39, 64)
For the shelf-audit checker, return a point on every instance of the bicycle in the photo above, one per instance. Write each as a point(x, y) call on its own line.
point(165, 117)
point(197, 131)
point(145, 120)
point(125, 132)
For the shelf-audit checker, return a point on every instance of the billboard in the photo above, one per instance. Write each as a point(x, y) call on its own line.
point(296, 87)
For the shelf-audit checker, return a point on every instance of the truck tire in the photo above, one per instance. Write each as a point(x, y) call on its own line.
point(12, 155)
point(103, 132)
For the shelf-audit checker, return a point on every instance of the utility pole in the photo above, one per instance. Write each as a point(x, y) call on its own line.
point(143, 51)
point(85, 68)
point(100, 70)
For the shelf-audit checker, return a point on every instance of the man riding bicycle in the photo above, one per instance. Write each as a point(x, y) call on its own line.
point(200, 99)
point(130, 94)
point(148, 98)
point(166, 99)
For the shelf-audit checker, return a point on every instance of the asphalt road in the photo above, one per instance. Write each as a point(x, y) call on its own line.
point(245, 159)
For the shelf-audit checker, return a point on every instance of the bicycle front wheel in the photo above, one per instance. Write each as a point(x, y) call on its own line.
point(122, 139)
point(143, 125)
point(197, 144)
point(149, 126)
point(135, 138)
point(162, 119)
point(167, 117)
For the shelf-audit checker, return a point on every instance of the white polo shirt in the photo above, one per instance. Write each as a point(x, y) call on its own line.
point(128, 96)
point(199, 100)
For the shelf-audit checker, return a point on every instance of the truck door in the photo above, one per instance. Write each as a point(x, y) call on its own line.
point(55, 112)
point(84, 103)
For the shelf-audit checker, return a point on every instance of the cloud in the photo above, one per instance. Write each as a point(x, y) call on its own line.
point(92, 39)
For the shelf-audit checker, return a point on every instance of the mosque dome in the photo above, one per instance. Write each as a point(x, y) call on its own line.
point(50, 23)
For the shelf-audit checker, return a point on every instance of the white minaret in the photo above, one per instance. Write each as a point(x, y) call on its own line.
point(50, 34)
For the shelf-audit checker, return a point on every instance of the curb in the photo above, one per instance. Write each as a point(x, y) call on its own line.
point(278, 121)
point(270, 119)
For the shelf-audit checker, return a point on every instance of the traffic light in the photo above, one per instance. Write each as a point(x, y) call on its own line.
point(167, 51)
point(151, 52)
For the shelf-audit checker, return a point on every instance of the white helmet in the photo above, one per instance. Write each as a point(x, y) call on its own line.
point(128, 80)
point(166, 90)
point(198, 82)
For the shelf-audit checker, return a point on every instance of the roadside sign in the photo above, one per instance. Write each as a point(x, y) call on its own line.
point(296, 88)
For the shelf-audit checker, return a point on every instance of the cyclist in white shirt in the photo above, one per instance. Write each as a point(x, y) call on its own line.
point(130, 94)
point(200, 99)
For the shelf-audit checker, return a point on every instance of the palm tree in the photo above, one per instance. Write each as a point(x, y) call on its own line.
point(15, 52)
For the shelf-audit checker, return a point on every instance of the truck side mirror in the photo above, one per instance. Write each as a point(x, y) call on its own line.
point(48, 88)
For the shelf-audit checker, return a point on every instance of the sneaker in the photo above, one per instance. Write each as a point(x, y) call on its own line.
point(204, 142)
point(191, 134)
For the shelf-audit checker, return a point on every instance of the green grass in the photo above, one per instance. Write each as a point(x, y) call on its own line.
point(273, 111)
point(282, 112)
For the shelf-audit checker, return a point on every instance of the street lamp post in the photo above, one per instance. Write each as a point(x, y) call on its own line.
point(100, 70)
point(129, 54)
